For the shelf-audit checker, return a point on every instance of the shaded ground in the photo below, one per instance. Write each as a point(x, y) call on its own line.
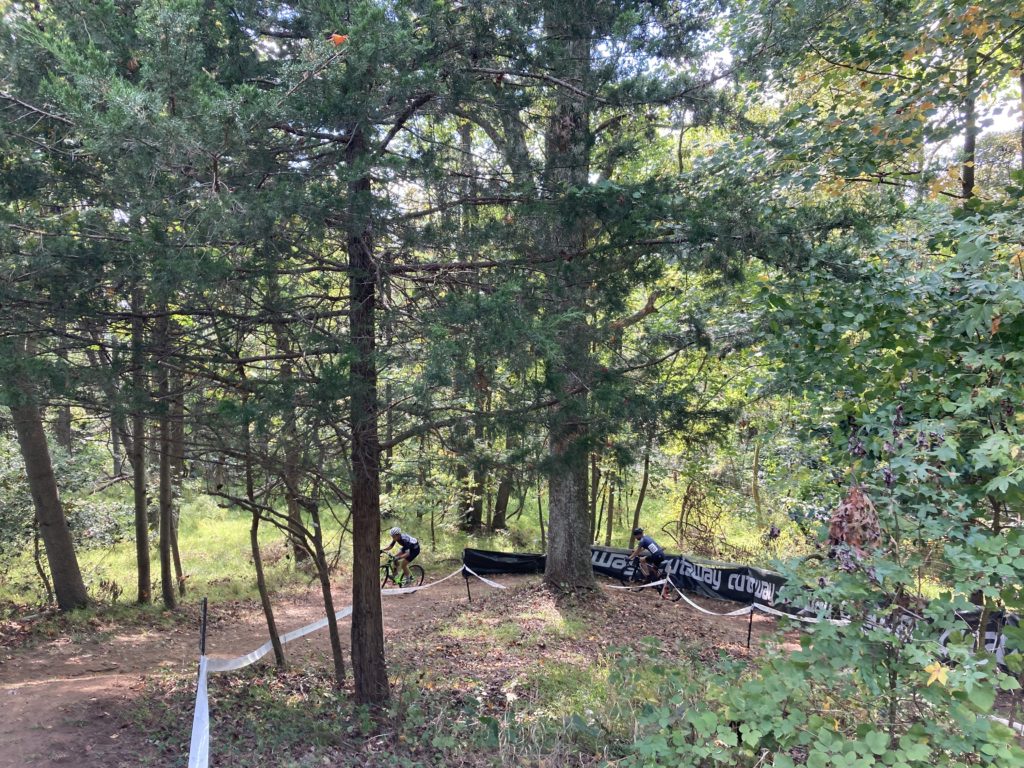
point(70, 699)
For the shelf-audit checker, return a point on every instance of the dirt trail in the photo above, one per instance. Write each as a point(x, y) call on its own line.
point(62, 701)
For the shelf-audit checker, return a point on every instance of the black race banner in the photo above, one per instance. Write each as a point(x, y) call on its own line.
point(722, 581)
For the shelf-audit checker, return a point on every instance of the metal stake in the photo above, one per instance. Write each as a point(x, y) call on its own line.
point(202, 630)
point(468, 593)
point(750, 626)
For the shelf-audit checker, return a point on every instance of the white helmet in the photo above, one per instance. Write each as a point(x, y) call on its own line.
point(395, 531)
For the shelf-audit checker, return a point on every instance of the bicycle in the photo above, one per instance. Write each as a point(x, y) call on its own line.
point(391, 570)
point(633, 576)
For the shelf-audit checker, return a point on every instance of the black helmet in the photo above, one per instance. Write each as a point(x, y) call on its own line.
point(638, 531)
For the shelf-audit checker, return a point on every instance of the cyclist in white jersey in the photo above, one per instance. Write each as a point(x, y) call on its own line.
point(408, 550)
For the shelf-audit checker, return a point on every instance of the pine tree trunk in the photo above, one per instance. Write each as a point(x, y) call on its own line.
point(62, 423)
point(498, 521)
point(611, 511)
point(368, 664)
point(137, 451)
point(62, 428)
point(643, 491)
point(567, 142)
point(291, 449)
point(53, 525)
point(164, 452)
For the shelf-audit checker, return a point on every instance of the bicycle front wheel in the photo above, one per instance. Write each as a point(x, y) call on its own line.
point(385, 575)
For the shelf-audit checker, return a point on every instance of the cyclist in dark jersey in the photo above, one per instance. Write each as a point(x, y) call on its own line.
point(649, 552)
point(407, 552)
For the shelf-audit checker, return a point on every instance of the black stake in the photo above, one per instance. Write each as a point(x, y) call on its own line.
point(202, 630)
point(465, 575)
point(750, 626)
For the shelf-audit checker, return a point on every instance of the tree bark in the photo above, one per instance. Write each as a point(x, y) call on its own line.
point(643, 491)
point(567, 163)
point(164, 451)
point(610, 523)
point(498, 521)
point(137, 452)
point(68, 585)
point(368, 663)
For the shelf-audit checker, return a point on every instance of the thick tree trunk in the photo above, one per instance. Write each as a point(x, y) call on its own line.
point(498, 521)
point(53, 525)
point(137, 452)
point(164, 451)
point(567, 163)
point(368, 664)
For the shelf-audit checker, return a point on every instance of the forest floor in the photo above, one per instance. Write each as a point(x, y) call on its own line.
point(113, 693)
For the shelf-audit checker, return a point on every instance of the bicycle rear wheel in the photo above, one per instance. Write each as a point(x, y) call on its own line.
point(416, 575)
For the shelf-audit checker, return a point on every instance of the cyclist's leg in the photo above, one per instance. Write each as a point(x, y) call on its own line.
point(403, 558)
point(645, 567)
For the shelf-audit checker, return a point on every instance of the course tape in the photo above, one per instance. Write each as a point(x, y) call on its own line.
point(488, 582)
point(199, 746)
point(638, 585)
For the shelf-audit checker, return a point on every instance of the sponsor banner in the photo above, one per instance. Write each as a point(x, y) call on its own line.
point(721, 581)
point(738, 583)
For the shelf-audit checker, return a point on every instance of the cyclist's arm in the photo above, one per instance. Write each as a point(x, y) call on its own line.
point(389, 546)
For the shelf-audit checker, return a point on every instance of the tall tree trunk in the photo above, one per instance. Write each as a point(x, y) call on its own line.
point(611, 511)
point(498, 521)
point(137, 452)
point(62, 423)
point(177, 460)
point(567, 162)
point(62, 428)
point(291, 441)
point(163, 388)
point(643, 490)
point(368, 664)
point(323, 572)
point(53, 525)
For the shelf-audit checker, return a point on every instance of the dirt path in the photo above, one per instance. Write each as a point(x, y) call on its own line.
point(62, 701)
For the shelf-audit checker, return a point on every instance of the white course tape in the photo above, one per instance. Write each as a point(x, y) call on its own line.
point(199, 748)
point(638, 585)
point(409, 590)
point(230, 665)
point(738, 612)
point(488, 582)
point(805, 619)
